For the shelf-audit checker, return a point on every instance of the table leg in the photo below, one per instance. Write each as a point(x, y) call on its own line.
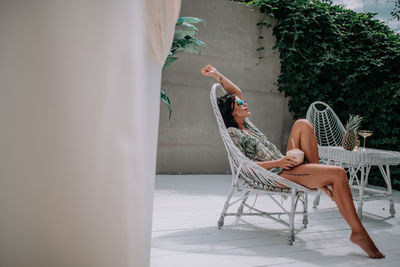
point(361, 190)
point(353, 170)
point(366, 175)
point(352, 173)
point(388, 181)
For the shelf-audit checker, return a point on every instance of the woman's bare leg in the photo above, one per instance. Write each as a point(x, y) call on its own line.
point(303, 137)
point(317, 176)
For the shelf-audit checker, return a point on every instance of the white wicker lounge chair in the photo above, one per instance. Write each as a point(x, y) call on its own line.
point(248, 177)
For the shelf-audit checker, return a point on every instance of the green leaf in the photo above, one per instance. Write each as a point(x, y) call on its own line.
point(397, 93)
point(181, 33)
point(169, 61)
point(166, 100)
point(190, 20)
point(199, 43)
point(189, 26)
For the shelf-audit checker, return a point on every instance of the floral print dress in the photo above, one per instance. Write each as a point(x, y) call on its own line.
point(256, 145)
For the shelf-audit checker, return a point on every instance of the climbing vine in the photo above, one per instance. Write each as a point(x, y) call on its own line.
point(264, 22)
point(349, 60)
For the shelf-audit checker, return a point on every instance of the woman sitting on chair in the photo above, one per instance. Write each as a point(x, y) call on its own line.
point(310, 173)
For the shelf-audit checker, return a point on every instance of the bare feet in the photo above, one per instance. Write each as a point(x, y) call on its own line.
point(366, 243)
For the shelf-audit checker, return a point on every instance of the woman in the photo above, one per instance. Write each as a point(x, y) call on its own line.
point(309, 174)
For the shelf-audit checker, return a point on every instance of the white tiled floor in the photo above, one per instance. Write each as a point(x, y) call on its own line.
point(187, 207)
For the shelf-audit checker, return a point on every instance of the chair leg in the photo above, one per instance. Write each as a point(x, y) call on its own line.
point(291, 238)
point(359, 209)
point(226, 206)
point(316, 199)
point(391, 207)
point(305, 209)
point(240, 209)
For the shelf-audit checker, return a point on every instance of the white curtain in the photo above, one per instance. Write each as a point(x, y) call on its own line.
point(160, 26)
point(79, 105)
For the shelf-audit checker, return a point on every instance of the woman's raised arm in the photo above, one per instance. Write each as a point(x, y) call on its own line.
point(229, 86)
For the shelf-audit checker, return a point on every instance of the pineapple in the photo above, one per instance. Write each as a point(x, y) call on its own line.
point(350, 136)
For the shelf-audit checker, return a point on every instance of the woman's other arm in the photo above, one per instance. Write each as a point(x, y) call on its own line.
point(229, 86)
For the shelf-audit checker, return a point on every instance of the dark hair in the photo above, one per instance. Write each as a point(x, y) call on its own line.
point(226, 104)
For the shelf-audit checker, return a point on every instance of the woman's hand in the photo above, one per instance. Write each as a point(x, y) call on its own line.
point(288, 162)
point(209, 71)
point(229, 86)
point(285, 163)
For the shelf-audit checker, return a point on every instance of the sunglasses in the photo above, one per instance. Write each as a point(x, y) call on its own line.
point(240, 102)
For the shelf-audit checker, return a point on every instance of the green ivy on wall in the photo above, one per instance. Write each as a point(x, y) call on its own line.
point(349, 60)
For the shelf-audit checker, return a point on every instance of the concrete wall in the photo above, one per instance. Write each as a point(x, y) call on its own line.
point(190, 141)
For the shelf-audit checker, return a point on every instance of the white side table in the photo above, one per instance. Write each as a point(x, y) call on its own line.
point(358, 163)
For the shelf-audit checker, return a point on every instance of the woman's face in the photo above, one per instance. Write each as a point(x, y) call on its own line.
point(240, 110)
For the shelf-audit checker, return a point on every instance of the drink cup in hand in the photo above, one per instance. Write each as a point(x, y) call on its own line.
point(297, 154)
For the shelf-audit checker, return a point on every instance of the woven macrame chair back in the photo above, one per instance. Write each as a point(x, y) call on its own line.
point(241, 166)
point(328, 128)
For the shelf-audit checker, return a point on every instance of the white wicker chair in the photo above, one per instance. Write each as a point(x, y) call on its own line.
point(247, 176)
point(328, 130)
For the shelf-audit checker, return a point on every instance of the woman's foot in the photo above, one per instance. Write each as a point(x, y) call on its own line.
point(366, 243)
